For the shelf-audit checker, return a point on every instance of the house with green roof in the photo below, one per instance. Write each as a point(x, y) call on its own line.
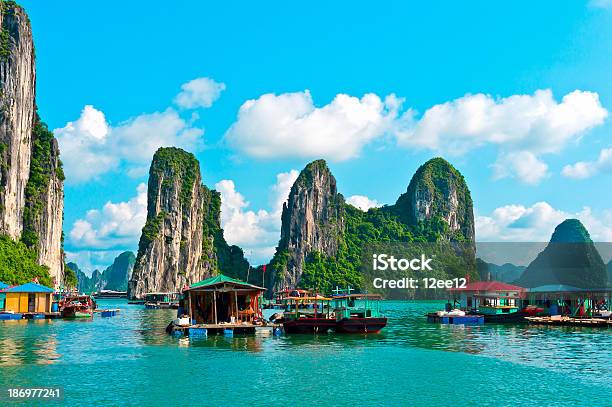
point(223, 300)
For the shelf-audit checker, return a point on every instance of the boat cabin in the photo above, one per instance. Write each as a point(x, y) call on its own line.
point(346, 306)
point(28, 298)
point(489, 297)
point(221, 299)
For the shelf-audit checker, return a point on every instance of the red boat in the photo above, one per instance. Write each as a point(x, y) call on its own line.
point(303, 315)
point(345, 316)
point(77, 306)
point(358, 318)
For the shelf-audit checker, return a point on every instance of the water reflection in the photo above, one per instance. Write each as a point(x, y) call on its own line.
point(132, 334)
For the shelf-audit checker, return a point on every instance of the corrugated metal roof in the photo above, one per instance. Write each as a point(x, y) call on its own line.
point(29, 288)
point(555, 288)
point(3, 285)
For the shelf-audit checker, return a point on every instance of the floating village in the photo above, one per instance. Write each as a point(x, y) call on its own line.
point(222, 305)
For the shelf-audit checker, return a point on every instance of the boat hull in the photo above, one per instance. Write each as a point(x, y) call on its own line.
point(512, 317)
point(360, 325)
point(309, 325)
point(69, 313)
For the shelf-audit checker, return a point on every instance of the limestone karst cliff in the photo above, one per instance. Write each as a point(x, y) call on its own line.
point(570, 258)
point(182, 240)
point(312, 221)
point(31, 176)
point(439, 199)
point(322, 237)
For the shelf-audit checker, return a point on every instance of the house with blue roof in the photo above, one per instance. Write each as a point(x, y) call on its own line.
point(28, 298)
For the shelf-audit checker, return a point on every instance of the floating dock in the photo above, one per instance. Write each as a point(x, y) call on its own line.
point(558, 320)
point(105, 313)
point(455, 319)
point(202, 330)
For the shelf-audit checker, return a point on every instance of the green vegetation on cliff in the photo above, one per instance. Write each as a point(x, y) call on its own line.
point(570, 258)
point(150, 231)
point(182, 165)
point(42, 170)
point(442, 187)
point(70, 277)
point(18, 264)
point(436, 186)
point(229, 260)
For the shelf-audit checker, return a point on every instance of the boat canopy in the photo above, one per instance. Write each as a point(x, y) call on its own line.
point(357, 296)
point(313, 298)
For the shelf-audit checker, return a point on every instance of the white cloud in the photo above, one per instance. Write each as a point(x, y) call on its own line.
point(199, 92)
point(257, 232)
point(586, 169)
point(536, 223)
point(522, 165)
point(601, 4)
point(535, 123)
point(362, 202)
point(523, 126)
point(290, 125)
point(115, 226)
point(91, 147)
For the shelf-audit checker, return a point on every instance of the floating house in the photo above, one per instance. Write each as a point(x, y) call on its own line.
point(493, 295)
point(222, 302)
point(560, 299)
point(496, 301)
point(28, 298)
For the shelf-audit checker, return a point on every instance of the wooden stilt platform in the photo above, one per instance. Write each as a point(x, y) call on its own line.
point(558, 320)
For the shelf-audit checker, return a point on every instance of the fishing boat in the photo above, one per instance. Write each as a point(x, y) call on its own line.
point(306, 314)
point(342, 313)
point(161, 300)
point(357, 317)
point(281, 298)
point(77, 306)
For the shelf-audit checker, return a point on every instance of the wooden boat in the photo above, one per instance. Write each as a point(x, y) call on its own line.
point(353, 317)
point(77, 306)
point(304, 315)
point(345, 315)
point(161, 300)
point(281, 297)
point(109, 294)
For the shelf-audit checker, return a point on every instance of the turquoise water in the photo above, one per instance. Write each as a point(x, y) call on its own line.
point(129, 360)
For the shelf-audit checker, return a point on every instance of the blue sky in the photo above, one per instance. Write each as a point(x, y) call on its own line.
point(514, 94)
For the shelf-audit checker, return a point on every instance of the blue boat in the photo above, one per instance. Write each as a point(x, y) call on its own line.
point(450, 319)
